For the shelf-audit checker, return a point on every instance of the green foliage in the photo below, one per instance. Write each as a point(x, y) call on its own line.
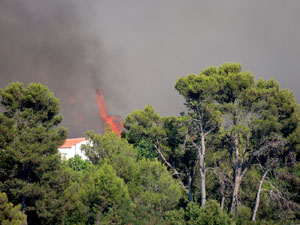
point(128, 180)
point(145, 149)
point(243, 214)
point(94, 194)
point(146, 129)
point(174, 217)
point(151, 188)
point(159, 137)
point(250, 115)
point(29, 157)
point(143, 129)
point(102, 147)
point(211, 214)
point(77, 211)
point(154, 187)
point(149, 132)
point(9, 214)
point(197, 87)
point(102, 191)
point(78, 164)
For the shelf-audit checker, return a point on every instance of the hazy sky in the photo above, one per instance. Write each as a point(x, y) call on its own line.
point(135, 50)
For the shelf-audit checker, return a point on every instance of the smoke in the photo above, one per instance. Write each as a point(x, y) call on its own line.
point(48, 41)
point(134, 51)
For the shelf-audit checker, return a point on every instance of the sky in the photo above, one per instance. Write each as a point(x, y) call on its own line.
point(135, 50)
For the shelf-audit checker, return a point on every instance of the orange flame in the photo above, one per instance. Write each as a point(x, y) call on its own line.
point(113, 122)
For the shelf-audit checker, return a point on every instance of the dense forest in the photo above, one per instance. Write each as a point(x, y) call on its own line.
point(231, 158)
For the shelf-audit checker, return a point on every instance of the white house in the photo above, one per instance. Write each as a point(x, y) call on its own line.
point(72, 147)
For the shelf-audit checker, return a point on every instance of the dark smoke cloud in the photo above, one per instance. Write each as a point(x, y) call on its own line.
point(47, 42)
point(134, 50)
point(163, 40)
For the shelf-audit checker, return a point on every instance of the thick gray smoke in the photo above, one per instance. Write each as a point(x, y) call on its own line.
point(134, 51)
point(47, 42)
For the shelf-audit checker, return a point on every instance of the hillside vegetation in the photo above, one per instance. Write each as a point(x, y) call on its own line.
point(231, 158)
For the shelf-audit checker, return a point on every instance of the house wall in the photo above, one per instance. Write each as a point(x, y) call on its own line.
point(67, 153)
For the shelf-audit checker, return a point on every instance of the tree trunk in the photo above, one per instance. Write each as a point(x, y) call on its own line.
point(23, 206)
point(203, 189)
point(222, 202)
point(223, 189)
point(190, 196)
point(202, 169)
point(258, 195)
point(237, 183)
point(237, 176)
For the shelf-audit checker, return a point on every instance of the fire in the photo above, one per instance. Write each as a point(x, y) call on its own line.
point(113, 122)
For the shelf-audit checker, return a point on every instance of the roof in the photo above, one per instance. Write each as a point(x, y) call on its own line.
point(70, 142)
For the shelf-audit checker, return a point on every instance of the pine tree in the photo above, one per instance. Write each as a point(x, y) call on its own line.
point(30, 171)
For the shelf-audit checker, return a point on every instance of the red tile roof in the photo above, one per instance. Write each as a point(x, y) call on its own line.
point(70, 142)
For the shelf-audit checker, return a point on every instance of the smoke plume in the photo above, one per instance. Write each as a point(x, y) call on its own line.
point(134, 51)
point(48, 42)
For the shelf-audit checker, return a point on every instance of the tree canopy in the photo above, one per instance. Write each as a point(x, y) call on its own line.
point(30, 164)
point(232, 157)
